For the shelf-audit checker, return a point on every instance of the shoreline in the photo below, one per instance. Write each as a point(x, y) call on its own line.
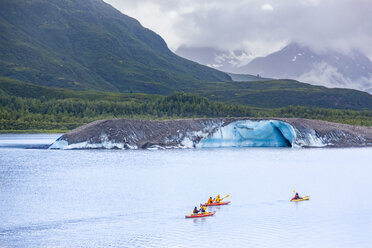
point(34, 131)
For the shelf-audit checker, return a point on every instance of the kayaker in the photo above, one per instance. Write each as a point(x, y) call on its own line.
point(210, 200)
point(202, 209)
point(196, 211)
point(296, 197)
point(218, 199)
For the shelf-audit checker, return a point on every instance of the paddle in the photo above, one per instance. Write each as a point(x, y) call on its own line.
point(224, 198)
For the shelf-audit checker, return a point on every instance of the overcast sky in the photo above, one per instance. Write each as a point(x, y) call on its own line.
point(259, 27)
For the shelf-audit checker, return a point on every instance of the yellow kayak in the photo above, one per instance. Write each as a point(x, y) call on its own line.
point(303, 199)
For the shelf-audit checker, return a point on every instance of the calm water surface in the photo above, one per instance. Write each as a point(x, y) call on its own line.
point(101, 198)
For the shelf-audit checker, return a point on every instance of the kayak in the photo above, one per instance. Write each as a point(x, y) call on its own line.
point(216, 204)
point(200, 215)
point(303, 199)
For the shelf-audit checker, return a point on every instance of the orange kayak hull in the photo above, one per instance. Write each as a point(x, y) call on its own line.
point(200, 215)
point(216, 204)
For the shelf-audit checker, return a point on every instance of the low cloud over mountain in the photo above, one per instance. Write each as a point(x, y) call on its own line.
point(349, 69)
point(256, 26)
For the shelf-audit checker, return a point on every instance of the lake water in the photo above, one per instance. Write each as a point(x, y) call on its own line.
point(115, 198)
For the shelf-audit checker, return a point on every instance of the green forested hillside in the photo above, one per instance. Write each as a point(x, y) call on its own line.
point(285, 92)
point(266, 94)
point(89, 45)
point(28, 107)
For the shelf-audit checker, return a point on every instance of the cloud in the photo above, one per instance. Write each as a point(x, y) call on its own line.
point(267, 7)
point(329, 76)
point(241, 24)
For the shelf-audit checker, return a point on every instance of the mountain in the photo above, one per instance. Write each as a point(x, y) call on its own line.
point(220, 59)
point(89, 45)
point(331, 69)
point(224, 60)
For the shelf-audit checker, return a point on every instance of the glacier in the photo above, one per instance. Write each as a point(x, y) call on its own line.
point(213, 133)
point(248, 133)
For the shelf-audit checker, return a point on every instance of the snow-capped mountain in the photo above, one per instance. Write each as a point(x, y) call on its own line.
point(331, 69)
point(224, 60)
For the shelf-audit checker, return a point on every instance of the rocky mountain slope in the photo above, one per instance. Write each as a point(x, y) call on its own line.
point(87, 44)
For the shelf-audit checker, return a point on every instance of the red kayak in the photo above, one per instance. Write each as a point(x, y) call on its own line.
point(216, 204)
point(200, 215)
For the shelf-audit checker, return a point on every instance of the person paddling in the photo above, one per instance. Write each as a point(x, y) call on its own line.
point(202, 209)
point(210, 200)
point(196, 211)
point(296, 197)
point(218, 199)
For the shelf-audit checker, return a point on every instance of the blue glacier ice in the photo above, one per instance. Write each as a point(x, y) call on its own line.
point(250, 133)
